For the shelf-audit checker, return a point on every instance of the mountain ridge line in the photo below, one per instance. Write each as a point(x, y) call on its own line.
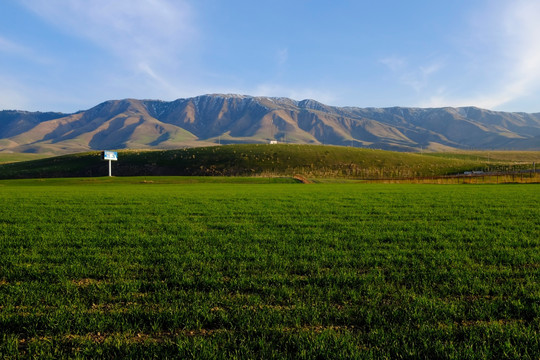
point(216, 119)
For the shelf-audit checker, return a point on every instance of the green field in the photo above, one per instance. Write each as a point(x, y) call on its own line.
point(179, 268)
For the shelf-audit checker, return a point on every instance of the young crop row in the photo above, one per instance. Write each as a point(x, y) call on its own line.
point(269, 271)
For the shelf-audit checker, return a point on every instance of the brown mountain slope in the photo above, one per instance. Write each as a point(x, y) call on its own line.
point(211, 119)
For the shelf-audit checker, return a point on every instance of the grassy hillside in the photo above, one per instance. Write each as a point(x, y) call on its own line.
point(249, 160)
point(16, 157)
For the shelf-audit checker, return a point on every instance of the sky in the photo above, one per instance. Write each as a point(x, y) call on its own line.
point(70, 55)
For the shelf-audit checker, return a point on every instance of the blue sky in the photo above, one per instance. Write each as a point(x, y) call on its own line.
point(69, 55)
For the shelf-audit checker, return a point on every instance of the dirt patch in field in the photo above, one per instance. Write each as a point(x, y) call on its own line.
point(500, 322)
point(319, 328)
point(271, 307)
point(301, 179)
point(481, 323)
point(160, 337)
point(86, 282)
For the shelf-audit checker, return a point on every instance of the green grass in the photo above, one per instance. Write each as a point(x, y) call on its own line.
point(248, 160)
point(119, 268)
point(147, 180)
point(16, 157)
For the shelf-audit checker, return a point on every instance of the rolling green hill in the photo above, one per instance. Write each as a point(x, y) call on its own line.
point(16, 157)
point(312, 161)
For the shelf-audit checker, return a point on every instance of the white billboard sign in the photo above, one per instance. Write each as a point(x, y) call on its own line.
point(110, 155)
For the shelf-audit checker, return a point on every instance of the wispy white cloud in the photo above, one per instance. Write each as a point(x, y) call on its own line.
point(494, 63)
point(12, 99)
point(519, 31)
point(161, 82)
point(10, 47)
point(156, 33)
point(504, 54)
point(143, 28)
point(415, 76)
point(282, 56)
point(394, 63)
point(16, 94)
point(419, 78)
point(21, 51)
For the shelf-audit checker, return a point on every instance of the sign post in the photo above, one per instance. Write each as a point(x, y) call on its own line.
point(111, 156)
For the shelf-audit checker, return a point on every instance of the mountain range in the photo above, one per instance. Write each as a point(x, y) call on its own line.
point(226, 119)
